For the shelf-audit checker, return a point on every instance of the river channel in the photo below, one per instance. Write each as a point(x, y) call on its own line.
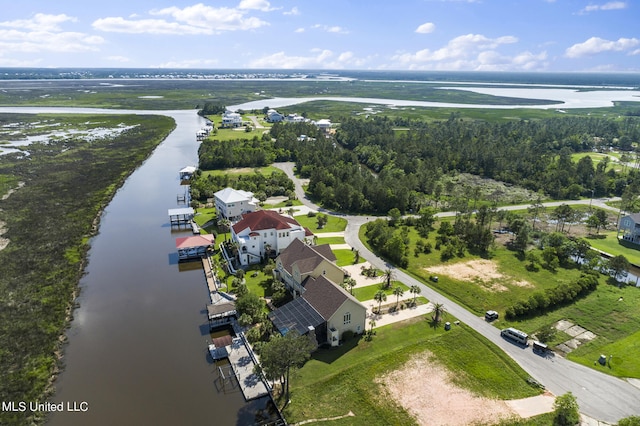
point(137, 351)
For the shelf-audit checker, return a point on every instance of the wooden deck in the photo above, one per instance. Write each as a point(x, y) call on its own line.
point(208, 273)
point(251, 384)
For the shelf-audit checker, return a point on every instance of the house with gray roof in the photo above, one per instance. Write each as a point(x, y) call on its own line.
point(324, 308)
point(233, 203)
point(299, 261)
point(629, 227)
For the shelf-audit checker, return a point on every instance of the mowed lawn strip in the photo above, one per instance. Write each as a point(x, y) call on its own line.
point(334, 224)
point(336, 381)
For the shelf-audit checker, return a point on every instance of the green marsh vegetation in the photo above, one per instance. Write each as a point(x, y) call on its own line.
point(67, 182)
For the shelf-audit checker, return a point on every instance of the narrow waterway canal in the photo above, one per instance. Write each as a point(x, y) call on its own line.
point(137, 343)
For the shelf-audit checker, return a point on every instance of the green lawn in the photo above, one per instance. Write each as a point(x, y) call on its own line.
point(346, 257)
point(265, 171)
point(330, 240)
point(597, 157)
point(334, 224)
point(608, 242)
point(343, 379)
point(367, 292)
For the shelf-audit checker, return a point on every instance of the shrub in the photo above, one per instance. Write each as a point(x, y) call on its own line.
point(347, 335)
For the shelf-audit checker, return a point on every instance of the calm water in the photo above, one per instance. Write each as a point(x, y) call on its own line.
point(137, 344)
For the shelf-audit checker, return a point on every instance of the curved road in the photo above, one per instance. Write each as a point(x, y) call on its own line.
point(600, 396)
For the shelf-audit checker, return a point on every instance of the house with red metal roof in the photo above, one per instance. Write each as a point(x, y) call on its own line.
point(265, 232)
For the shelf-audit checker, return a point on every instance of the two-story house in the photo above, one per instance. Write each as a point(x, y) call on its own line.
point(263, 232)
point(299, 261)
point(629, 227)
point(233, 203)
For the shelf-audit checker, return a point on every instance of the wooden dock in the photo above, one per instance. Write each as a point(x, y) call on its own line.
point(242, 362)
point(208, 273)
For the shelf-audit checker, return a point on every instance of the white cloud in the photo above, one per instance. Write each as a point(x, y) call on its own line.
point(598, 45)
point(43, 33)
point(319, 58)
point(472, 52)
point(299, 30)
point(39, 22)
point(294, 11)
point(426, 28)
point(261, 5)
point(191, 20)
point(612, 5)
point(330, 29)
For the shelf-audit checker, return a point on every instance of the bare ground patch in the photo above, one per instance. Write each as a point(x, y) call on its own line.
point(424, 388)
point(481, 271)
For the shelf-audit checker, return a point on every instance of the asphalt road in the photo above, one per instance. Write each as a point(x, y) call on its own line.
point(599, 396)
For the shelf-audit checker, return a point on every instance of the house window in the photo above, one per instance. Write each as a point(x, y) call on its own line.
point(347, 318)
point(265, 235)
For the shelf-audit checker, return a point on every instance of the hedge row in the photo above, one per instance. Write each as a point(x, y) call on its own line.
point(548, 299)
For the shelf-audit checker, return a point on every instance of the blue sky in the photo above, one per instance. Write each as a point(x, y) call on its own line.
point(466, 35)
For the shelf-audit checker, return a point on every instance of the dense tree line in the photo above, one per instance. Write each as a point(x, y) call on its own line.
point(263, 186)
point(370, 167)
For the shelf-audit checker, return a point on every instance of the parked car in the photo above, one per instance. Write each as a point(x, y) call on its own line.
point(491, 316)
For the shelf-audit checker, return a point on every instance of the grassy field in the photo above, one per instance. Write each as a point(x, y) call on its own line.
point(597, 157)
point(346, 257)
point(330, 240)
point(343, 379)
point(608, 242)
point(367, 293)
point(334, 224)
point(612, 313)
point(265, 171)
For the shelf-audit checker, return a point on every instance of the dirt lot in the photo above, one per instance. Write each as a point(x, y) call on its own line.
point(481, 271)
point(434, 400)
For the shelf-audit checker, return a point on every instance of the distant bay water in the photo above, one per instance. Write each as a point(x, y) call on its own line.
point(564, 98)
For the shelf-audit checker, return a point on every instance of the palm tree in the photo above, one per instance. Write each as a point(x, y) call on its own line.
point(387, 276)
point(398, 292)
point(415, 290)
point(380, 297)
point(350, 283)
point(438, 312)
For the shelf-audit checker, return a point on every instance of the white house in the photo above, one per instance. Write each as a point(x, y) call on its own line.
point(231, 119)
point(274, 116)
point(324, 125)
point(294, 118)
point(263, 232)
point(232, 203)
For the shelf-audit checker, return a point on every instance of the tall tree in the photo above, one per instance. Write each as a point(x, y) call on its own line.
point(415, 290)
point(398, 292)
point(438, 312)
point(380, 297)
point(282, 354)
point(387, 276)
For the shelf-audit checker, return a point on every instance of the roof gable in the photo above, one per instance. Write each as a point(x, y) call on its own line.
point(325, 296)
point(230, 195)
point(264, 220)
point(304, 256)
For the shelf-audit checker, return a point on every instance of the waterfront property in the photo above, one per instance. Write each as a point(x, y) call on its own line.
point(194, 247)
point(324, 308)
point(233, 203)
point(629, 227)
point(265, 233)
point(180, 216)
point(231, 119)
point(186, 172)
point(299, 261)
point(221, 311)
